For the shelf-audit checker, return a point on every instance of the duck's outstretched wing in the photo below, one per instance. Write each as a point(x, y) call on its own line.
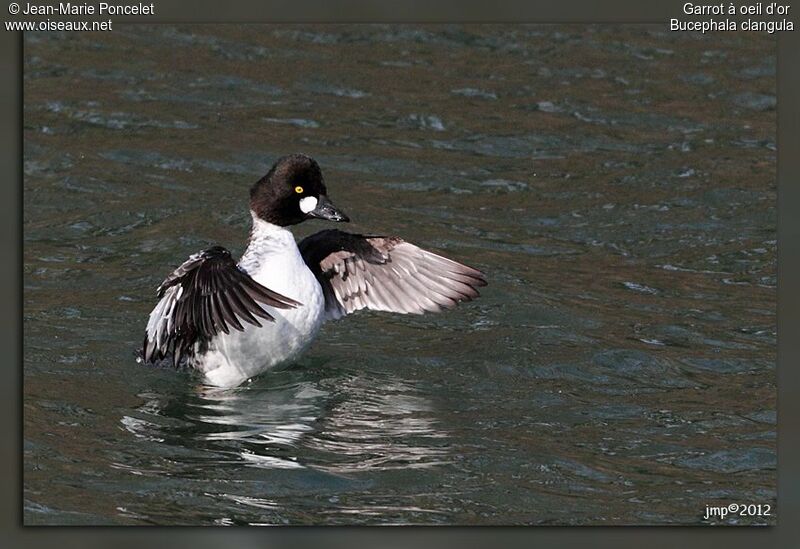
point(209, 293)
point(385, 274)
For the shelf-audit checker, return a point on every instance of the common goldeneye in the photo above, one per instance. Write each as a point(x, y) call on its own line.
point(232, 321)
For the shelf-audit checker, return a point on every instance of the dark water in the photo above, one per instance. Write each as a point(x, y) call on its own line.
point(616, 184)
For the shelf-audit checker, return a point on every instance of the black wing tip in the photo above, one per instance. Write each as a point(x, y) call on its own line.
point(464, 298)
point(476, 274)
point(480, 280)
point(139, 354)
point(279, 301)
point(149, 353)
point(175, 354)
point(478, 277)
point(260, 293)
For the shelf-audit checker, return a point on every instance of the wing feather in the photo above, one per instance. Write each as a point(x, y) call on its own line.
point(207, 294)
point(385, 274)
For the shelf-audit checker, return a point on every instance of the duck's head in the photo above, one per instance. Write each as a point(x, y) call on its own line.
point(293, 191)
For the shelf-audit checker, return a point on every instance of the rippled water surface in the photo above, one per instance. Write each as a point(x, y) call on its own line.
point(616, 184)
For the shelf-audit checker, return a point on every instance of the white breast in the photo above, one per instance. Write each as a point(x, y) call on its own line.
point(273, 260)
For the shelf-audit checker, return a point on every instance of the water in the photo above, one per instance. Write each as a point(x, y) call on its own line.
point(616, 184)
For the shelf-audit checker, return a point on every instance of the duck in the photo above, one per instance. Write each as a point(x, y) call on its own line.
point(234, 320)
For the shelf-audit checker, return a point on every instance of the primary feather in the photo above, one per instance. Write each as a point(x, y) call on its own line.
point(385, 274)
point(207, 294)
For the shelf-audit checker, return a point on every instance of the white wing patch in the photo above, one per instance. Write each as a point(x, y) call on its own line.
point(308, 204)
point(159, 325)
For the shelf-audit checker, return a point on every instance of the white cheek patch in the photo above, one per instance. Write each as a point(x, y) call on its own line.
point(308, 204)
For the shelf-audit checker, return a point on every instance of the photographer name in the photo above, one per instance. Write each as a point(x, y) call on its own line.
point(103, 8)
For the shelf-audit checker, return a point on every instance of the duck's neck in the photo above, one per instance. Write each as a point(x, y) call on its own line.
point(266, 240)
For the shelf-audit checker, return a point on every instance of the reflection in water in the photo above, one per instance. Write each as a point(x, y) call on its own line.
point(378, 427)
point(338, 425)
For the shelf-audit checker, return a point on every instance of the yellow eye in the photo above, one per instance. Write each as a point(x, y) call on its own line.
point(298, 189)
